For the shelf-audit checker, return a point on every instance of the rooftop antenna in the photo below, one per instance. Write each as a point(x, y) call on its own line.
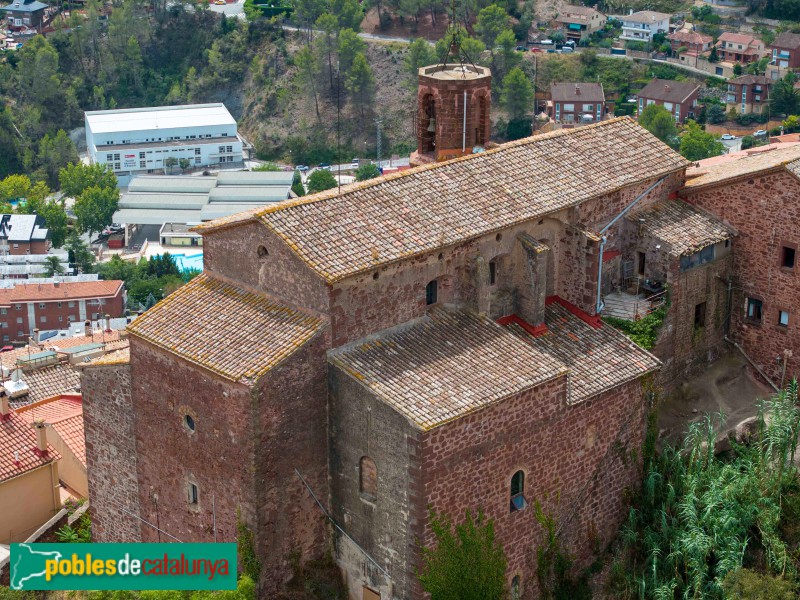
point(454, 49)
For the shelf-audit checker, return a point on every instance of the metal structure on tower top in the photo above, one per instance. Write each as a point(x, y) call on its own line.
point(454, 52)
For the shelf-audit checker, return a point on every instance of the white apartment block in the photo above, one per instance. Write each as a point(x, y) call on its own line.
point(642, 26)
point(140, 140)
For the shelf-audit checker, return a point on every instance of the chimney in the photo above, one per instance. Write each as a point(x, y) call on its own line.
point(577, 90)
point(33, 341)
point(55, 283)
point(108, 323)
point(5, 411)
point(87, 328)
point(41, 438)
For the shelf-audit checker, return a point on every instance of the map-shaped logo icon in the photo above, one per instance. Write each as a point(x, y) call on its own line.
point(28, 564)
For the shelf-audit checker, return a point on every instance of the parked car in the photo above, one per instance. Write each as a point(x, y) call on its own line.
point(760, 133)
point(536, 50)
point(303, 168)
point(551, 50)
point(324, 166)
point(567, 50)
point(521, 49)
point(728, 136)
point(220, 3)
point(546, 42)
point(354, 164)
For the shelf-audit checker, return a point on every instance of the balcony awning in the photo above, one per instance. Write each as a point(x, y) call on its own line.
point(575, 26)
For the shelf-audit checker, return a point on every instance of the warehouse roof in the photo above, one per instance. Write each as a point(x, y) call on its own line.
point(159, 117)
point(425, 208)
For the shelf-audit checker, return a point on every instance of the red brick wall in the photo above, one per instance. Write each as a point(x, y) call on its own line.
point(218, 455)
point(111, 453)
point(21, 248)
point(578, 463)
point(765, 210)
point(233, 254)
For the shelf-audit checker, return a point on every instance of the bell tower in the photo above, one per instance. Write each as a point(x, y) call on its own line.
point(453, 106)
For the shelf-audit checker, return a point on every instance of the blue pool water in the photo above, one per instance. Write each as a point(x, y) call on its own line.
point(186, 262)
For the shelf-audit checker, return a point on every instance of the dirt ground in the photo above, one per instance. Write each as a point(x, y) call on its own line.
point(725, 386)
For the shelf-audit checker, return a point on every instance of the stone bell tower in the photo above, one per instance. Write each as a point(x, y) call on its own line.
point(454, 101)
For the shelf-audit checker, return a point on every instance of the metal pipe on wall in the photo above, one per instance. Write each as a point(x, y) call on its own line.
point(464, 126)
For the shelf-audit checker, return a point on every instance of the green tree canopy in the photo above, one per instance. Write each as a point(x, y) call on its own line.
point(658, 121)
point(55, 153)
point(517, 94)
point(696, 144)
point(95, 208)
point(466, 562)
point(52, 266)
point(321, 180)
point(76, 177)
point(361, 82)
point(492, 21)
point(420, 54)
point(56, 219)
point(15, 186)
point(78, 253)
point(784, 98)
point(367, 171)
point(350, 46)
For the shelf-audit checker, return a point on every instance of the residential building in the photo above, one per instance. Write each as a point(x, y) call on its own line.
point(579, 103)
point(688, 43)
point(757, 194)
point(748, 94)
point(678, 97)
point(324, 298)
point(140, 140)
point(63, 418)
point(579, 22)
point(29, 494)
point(24, 15)
point(786, 50)
point(23, 235)
point(740, 48)
point(155, 200)
point(32, 306)
point(643, 25)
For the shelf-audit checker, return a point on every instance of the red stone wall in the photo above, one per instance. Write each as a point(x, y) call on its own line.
point(233, 254)
point(108, 422)
point(578, 462)
point(765, 210)
point(291, 433)
point(217, 457)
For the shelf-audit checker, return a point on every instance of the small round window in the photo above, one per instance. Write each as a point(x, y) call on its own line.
point(188, 421)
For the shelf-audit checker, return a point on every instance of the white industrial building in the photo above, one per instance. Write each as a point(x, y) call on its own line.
point(140, 140)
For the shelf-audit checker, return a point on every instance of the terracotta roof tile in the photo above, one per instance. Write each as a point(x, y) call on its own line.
point(429, 207)
point(666, 90)
point(577, 92)
point(787, 39)
point(44, 292)
point(738, 38)
point(598, 359)
point(645, 16)
point(685, 228)
point(65, 415)
point(445, 365)
point(690, 37)
point(48, 382)
point(116, 357)
point(744, 165)
point(18, 440)
point(71, 431)
point(196, 322)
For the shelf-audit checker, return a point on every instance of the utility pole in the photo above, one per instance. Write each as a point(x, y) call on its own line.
point(378, 123)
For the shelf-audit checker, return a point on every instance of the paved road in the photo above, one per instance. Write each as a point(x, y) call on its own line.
point(230, 10)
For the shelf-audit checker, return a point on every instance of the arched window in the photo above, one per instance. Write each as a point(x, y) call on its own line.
point(518, 491)
point(515, 588)
point(431, 292)
point(368, 479)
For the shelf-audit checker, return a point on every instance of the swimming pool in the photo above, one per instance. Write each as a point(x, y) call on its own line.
point(188, 262)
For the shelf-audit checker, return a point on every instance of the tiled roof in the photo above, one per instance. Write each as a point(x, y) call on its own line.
point(598, 359)
point(116, 357)
point(65, 415)
point(750, 80)
point(737, 38)
point(666, 90)
point(425, 208)
point(445, 365)
point(44, 292)
point(577, 92)
point(49, 382)
point(18, 441)
point(197, 323)
point(690, 37)
point(645, 16)
point(748, 164)
point(685, 228)
point(578, 13)
point(787, 39)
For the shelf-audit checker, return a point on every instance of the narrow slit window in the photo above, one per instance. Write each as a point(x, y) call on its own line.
point(518, 491)
point(193, 494)
point(754, 308)
point(432, 292)
point(492, 272)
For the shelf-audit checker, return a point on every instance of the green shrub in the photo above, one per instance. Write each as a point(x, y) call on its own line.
point(744, 584)
point(643, 332)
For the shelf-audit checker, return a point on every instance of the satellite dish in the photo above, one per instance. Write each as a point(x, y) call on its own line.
point(16, 375)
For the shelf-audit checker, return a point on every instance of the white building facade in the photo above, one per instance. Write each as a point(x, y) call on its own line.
point(642, 26)
point(140, 140)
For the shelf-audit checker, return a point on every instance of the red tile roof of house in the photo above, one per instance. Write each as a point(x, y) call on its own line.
point(645, 16)
point(46, 292)
point(744, 164)
point(18, 448)
point(577, 92)
point(65, 415)
point(574, 14)
point(786, 40)
point(738, 38)
point(686, 36)
point(667, 90)
point(420, 210)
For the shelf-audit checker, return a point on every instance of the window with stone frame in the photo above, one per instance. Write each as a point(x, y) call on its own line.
point(755, 308)
point(788, 257)
point(783, 318)
point(518, 501)
point(193, 494)
point(368, 479)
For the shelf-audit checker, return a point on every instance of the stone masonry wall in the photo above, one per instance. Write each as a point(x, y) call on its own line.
point(291, 432)
point(362, 425)
point(578, 463)
point(765, 210)
point(108, 422)
point(233, 254)
point(217, 456)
